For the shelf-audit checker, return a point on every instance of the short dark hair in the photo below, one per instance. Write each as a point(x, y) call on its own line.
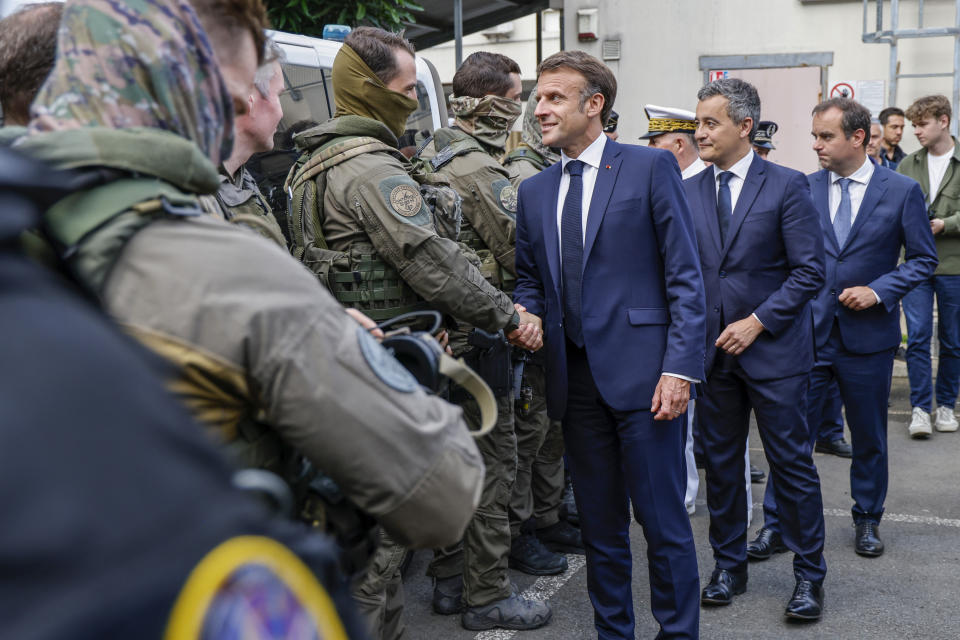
point(28, 47)
point(484, 73)
point(890, 111)
point(223, 19)
point(855, 115)
point(597, 77)
point(743, 101)
point(377, 48)
point(934, 107)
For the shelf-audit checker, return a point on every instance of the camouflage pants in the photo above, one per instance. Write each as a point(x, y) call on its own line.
point(482, 555)
point(379, 595)
point(539, 486)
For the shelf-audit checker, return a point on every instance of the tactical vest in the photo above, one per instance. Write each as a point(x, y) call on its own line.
point(447, 150)
point(90, 229)
point(358, 277)
point(525, 154)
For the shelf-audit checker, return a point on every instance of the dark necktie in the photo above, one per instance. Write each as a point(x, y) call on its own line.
point(843, 219)
point(571, 252)
point(724, 206)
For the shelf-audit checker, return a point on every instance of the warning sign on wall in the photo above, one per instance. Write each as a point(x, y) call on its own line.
point(869, 93)
point(717, 75)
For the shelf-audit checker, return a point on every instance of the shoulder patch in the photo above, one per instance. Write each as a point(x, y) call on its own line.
point(384, 365)
point(402, 197)
point(405, 200)
point(506, 195)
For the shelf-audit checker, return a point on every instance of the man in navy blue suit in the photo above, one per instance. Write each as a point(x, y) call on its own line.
point(868, 214)
point(606, 255)
point(761, 253)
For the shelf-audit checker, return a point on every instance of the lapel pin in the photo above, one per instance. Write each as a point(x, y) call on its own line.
point(608, 166)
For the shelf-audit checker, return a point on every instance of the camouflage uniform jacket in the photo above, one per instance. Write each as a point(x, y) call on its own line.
point(524, 161)
point(371, 204)
point(241, 202)
point(252, 334)
point(489, 199)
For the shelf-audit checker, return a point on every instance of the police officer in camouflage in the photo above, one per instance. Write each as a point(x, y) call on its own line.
point(239, 199)
point(263, 355)
point(362, 222)
point(531, 156)
point(538, 490)
point(485, 104)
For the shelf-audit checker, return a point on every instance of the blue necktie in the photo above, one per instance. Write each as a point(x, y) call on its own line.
point(724, 206)
point(571, 252)
point(842, 221)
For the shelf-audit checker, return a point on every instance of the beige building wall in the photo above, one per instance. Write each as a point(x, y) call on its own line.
point(662, 41)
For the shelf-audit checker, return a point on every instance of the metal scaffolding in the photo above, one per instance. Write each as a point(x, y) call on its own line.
point(892, 36)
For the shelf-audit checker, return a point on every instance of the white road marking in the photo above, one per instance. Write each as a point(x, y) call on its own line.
point(543, 589)
point(547, 586)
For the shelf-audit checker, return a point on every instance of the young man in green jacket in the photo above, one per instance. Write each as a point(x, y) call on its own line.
point(937, 168)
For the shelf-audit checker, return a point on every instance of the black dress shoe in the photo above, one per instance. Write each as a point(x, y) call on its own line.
point(723, 586)
point(868, 539)
point(806, 602)
point(838, 447)
point(756, 475)
point(767, 543)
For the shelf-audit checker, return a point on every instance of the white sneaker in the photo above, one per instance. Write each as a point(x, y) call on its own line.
point(946, 421)
point(920, 424)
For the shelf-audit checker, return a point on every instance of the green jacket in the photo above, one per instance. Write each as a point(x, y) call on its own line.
point(945, 205)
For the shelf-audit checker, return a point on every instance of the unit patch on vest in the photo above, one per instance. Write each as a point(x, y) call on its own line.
point(507, 195)
point(384, 365)
point(403, 197)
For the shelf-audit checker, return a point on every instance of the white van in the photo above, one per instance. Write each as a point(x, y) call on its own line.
point(308, 94)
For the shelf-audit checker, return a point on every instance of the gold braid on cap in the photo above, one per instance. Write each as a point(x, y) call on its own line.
point(668, 125)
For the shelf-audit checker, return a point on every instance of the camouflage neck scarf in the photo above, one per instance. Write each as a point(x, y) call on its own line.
point(358, 91)
point(533, 134)
point(143, 63)
point(488, 119)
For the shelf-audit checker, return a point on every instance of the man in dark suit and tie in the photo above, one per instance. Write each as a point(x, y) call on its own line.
point(606, 255)
point(868, 214)
point(761, 253)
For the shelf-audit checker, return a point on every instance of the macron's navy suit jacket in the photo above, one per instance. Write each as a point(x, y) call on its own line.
point(642, 292)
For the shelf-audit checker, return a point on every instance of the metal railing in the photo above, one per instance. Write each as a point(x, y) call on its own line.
point(892, 35)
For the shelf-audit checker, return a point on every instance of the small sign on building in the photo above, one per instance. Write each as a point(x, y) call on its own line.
point(717, 75)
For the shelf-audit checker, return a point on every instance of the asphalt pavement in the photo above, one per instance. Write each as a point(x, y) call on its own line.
point(910, 592)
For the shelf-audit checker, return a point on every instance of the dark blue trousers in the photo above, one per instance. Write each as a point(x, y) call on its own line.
point(619, 457)
point(831, 420)
point(864, 381)
point(780, 407)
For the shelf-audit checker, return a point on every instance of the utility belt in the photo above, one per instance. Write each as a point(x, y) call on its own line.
point(490, 357)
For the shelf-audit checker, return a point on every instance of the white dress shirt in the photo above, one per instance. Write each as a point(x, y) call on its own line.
point(859, 180)
point(739, 171)
point(591, 156)
point(858, 188)
point(695, 168)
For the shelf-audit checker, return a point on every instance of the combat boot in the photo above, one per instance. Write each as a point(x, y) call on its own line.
point(448, 595)
point(513, 612)
point(561, 537)
point(527, 554)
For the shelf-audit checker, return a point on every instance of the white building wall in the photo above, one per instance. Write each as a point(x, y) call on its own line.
point(662, 41)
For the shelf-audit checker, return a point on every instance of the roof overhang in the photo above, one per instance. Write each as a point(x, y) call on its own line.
point(435, 23)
